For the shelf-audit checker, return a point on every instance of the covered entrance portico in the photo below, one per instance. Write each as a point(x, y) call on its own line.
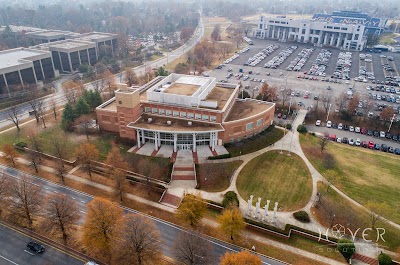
point(179, 140)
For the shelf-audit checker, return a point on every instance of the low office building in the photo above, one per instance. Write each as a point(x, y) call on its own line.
point(320, 33)
point(102, 40)
point(46, 36)
point(22, 66)
point(184, 112)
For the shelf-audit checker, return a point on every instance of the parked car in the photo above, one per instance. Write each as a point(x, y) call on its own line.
point(328, 124)
point(358, 142)
point(364, 144)
point(318, 123)
point(351, 128)
point(369, 132)
point(345, 140)
point(376, 133)
point(279, 115)
point(388, 135)
point(333, 137)
point(377, 147)
point(357, 129)
point(397, 151)
point(363, 130)
point(338, 140)
point(346, 127)
point(334, 125)
point(391, 149)
point(340, 126)
point(394, 137)
point(34, 246)
point(351, 141)
point(371, 145)
point(382, 134)
point(384, 147)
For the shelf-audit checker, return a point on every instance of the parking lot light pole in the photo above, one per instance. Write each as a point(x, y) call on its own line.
point(329, 110)
point(290, 104)
point(391, 122)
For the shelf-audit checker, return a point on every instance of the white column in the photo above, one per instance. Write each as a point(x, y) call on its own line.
point(143, 140)
point(211, 138)
point(34, 73)
point(194, 142)
point(339, 40)
point(175, 141)
point(155, 141)
point(70, 62)
point(159, 139)
point(213, 142)
point(88, 57)
point(79, 57)
point(5, 82)
point(273, 31)
point(325, 38)
point(332, 39)
point(138, 138)
point(61, 63)
point(20, 77)
point(41, 67)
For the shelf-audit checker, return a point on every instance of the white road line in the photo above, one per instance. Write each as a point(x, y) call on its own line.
point(8, 260)
point(82, 212)
point(55, 191)
point(29, 252)
point(73, 198)
point(83, 201)
point(46, 188)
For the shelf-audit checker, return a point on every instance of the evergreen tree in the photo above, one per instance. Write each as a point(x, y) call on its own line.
point(81, 107)
point(96, 99)
point(68, 117)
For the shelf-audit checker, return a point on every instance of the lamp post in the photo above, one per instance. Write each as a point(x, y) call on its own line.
point(329, 109)
point(290, 105)
point(391, 122)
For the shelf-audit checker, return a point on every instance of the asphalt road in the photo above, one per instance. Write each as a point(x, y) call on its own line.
point(24, 108)
point(13, 251)
point(169, 231)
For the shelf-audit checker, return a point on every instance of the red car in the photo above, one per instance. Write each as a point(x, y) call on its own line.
point(363, 130)
point(333, 137)
point(364, 144)
point(371, 145)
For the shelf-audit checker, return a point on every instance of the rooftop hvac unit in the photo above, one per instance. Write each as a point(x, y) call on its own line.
point(169, 122)
point(149, 120)
point(189, 123)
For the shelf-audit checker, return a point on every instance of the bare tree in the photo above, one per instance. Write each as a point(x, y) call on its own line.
point(323, 142)
point(326, 102)
point(60, 149)
point(53, 107)
point(120, 180)
point(341, 101)
point(130, 77)
point(192, 249)
point(84, 122)
point(368, 108)
point(285, 93)
point(238, 37)
point(62, 214)
point(25, 199)
point(34, 102)
point(138, 241)
point(223, 48)
point(13, 116)
point(41, 112)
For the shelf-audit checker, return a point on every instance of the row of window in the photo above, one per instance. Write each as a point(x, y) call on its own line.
point(250, 125)
point(181, 114)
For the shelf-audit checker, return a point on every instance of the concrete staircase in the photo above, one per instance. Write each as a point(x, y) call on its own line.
point(364, 259)
point(183, 177)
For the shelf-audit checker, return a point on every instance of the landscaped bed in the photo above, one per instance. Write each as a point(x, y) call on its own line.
point(276, 177)
point(214, 177)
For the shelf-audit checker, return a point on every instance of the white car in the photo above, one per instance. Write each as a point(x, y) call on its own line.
point(357, 129)
point(382, 134)
point(351, 141)
point(329, 124)
point(351, 128)
point(340, 126)
point(339, 140)
point(358, 142)
point(318, 123)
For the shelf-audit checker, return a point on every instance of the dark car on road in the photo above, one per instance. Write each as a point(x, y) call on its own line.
point(345, 140)
point(384, 148)
point(388, 136)
point(395, 137)
point(34, 246)
point(376, 133)
point(369, 132)
point(346, 127)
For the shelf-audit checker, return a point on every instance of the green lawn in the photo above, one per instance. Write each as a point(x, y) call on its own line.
point(216, 177)
point(352, 217)
point(365, 175)
point(255, 143)
point(276, 177)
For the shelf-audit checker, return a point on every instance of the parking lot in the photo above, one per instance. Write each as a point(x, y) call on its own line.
point(280, 77)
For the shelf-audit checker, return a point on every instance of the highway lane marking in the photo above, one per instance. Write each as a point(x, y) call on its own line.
point(83, 201)
point(29, 252)
point(8, 260)
point(82, 212)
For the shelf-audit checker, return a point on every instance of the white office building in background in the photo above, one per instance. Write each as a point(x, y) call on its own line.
point(322, 34)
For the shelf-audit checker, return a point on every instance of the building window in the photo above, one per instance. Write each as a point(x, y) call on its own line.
point(198, 116)
point(161, 111)
point(168, 112)
point(213, 118)
point(147, 109)
point(205, 117)
point(232, 140)
point(303, 31)
point(175, 113)
point(183, 114)
point(249, 126)
point(336, 28)
point(259, 122)
point(329, 27)
point(120, 102)
point(190, 115)
point(154, 110)
point(343, 28)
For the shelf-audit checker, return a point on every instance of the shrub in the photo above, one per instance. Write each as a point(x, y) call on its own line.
point(346, 248)
point(270, 128)
point(288, 126)
point(22, 144)
point(230, 198)
point(302, 216)
point(219, 157)
point(384, 259)
point(301, 128)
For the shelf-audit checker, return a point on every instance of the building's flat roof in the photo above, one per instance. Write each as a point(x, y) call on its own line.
point(93, 36)
point(9, 58)
point(221, 95)
point(112, 106)
point(68, 44)
point(177, 125)
point(181, 89)
point(247, 108)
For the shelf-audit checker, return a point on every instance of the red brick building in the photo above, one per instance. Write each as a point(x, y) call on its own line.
point(184, 112)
